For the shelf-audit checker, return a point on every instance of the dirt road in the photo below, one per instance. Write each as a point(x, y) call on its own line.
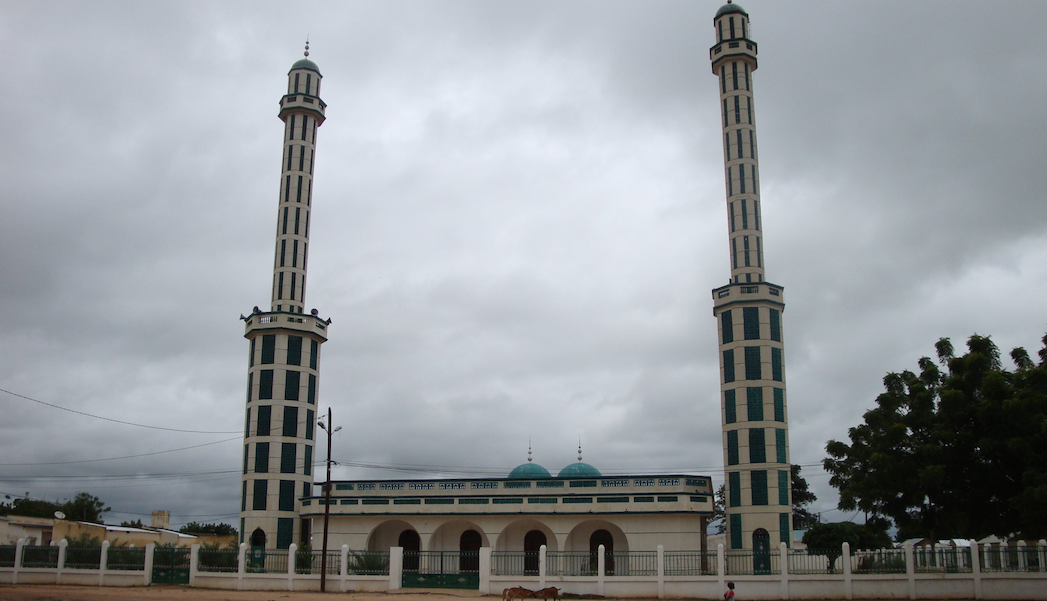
point(47, 592)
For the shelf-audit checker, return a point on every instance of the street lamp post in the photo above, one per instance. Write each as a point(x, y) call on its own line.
point(327, 498)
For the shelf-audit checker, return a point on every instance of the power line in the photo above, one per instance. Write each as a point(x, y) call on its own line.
point(118, 421)
point(125, 456)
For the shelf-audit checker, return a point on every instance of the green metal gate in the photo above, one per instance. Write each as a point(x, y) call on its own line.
point(171, 565)
point(441, 569)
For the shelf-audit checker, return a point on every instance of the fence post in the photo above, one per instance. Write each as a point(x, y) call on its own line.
point(343, 570)
point(846, 557)
point(601, 563)
point(661, 572)
point(62, 546)
point(783, 562)
point(396, 568)
point(910, 569)
point(976, 569)
point(292, 557)
point(241, 565)
point(721, 565)
point(1041, 553)
point(1023, 561)
point(543, 567)
point(150, 549)
point(485, 570)
point(103, 563)
point(18, 560)
point(194, 558)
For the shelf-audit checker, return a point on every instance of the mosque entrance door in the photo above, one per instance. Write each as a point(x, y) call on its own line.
point(447, 569)
point(761, 552)
point(533, 542)
point(601, 537)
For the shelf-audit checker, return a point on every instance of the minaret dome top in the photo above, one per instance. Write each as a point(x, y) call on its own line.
point(307, 64)
point(730, 7)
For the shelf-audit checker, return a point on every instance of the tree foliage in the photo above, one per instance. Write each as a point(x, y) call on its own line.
point(954, 453)
point(84, 507)
point(218, 529)
point(828, 539)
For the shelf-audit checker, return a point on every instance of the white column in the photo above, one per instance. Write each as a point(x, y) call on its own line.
point(150, 549)
point(846, 557)
point(910, 570)
point(18, 560)
point(396, 568)
point(292, 554)
point(976, 569)
point(1023, 561)
point(103, 563)
point(241, 565)
point(194, 559)
point(661, 572)
point(600, 565)
point(63, 545)
point(721, 566)
point(783, 561)
point(542, 566)
point(485, 570)
point(343, 573)
point(1041, 547)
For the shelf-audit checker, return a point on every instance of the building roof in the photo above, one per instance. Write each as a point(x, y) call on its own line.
point(306, 64)
point(730, 7)
point(579, 470)
point(528, 471)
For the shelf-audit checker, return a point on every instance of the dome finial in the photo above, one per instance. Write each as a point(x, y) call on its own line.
point(307, 45)
point(579, 447)
point(529, 449)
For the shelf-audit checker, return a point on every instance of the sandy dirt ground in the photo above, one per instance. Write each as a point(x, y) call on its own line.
point(48, 592)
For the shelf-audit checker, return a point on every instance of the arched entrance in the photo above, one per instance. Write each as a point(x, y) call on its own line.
point(601, 537)
point(761, 551)
point(258, 538)
point(469, 551)
point(411, 544)
point(533, 542)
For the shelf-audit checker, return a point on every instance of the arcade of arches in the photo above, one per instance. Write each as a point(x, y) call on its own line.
point(526, 535)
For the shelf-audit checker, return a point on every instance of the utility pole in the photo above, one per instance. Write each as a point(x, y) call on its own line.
point(327, 498)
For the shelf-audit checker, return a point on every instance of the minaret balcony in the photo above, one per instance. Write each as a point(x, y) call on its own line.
point(728, 50)
point(298, 322)
point(747, 293)
point(303, 103)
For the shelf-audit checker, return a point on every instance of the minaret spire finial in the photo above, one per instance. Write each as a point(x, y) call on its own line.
point(307, 46)
point(579, 447)
point(529, 449)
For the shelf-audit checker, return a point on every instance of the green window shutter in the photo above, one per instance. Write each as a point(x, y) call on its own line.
point(265, 384)
point(726, 327)
point(310, 420)
point(292, 382)
point(242, 519)
point(246, 448)
point(779, 405)
point(286, 495)
point(776, 325)
point(294, 350)
point(776, 364)
point(265, 414)
point(247, 424)
point(268, 349)
point(250, 360)
point(307, 489)
point(311, 391)
point(785, 529)
point(250, 385)
point(754, 402)
point(736, 531)
point(752, 363)
point(729, 411)
point(757, 446)
point(284, 532)
point(288, 456)
point(261, 457)
point(728, 365)
point(314, 355)
point(308, 460)
point(734, 489)
point(783, 488)
point(779, 444)
point(751, 323)
point(732, 447)
point(290, 429)
point(243, 500)
point(758, 478)
point(260, 491)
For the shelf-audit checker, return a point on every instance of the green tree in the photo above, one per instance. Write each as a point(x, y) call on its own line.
point(218, 529)
point(719, 511)
point(85, 507)
point(954, 453)
point(802, 497)
point(133, 524)
point(828, 539)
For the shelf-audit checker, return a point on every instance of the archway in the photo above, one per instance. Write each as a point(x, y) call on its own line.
point(601, 537)
point(258, 538)
point(469, 551)
point(411, 544)
point(761, 551)
point(533, 542)
point(387, 534)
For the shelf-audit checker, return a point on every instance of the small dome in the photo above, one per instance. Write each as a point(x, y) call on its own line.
point(529, 471)
point(307, 65)
point(579, 470)
point(730, 8)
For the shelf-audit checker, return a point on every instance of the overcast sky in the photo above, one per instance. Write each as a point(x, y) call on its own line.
point(519, 216)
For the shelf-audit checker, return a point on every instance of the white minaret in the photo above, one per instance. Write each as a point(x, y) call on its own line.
point(284, 363)
point(748, 313)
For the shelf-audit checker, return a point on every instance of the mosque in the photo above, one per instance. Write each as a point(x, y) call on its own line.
point(579, 509)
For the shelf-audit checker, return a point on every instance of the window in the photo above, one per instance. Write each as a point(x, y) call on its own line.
point(752, 151)
point(757, 446)
point(779, 405)
point(731, 211)
point(732, 447)
point(741, 150)
point(268, 349)
point(730, 182)
point(725, 112)
point(776, 364)
point(246, 447)
point(247, 424)
point(310, 195)
point(759, 257)
point(736, 531)
point(759, 486)
point(727, 145)
point(286, 495)
point(749, 109)
point(310, 393)
point(776, 325)
point(310, 419)
point(292, 381)
point(283, 251)
point(243, 505)
point(294, 350)
point(261, 458)
point(314, 354)
point(732, 37)
point(737, 108)
point(283, 229)
point(746, 69)
point(280, 289)
point(726, 327)
point(296, 76)
point(720, 25)
point(265, 384)
point(783, 488)
point(297, 213)
point(306, 492)
point(308, 460)
point(754, 403)
point(265, 413)
point(729, 411)
point(734, 73)
point(779, 444)
point(294, 258)
point(745, 245)
point(723, 80)
point(284, 532)
point(745, 214)
point(290, 151)
point(288, 457)
point(734, 253)
point(728, 365)
point(260, 491)
point(290, 422)
point(751, 323)
point(287, 189)
point(301, 158)
point(250, 360)
point(784, 529)
point(250, 385)
point(734, 489)
point(741, 178)
point(752, 363)
point(294, 276)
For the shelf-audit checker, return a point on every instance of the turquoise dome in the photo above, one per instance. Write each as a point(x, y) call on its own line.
point(579, 470)
point(730, 8)
point(529, 471)
point(308, 65)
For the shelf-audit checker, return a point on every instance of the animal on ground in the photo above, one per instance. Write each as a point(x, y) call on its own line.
point(548, 593)
point(516, 592)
